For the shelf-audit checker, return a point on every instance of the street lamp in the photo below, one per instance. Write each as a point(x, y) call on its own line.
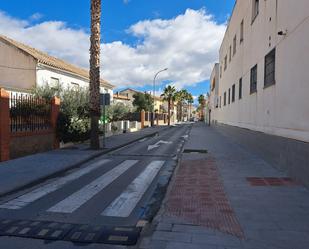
point(154, 94)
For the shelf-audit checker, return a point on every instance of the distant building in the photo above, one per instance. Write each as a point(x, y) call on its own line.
point(23, 67)
point(123, 99)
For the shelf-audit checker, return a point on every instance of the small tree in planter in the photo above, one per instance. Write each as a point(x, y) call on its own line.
point(114, 128)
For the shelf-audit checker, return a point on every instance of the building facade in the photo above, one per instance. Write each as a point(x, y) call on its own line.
point(263, 82)
point(263, 71)
point(23, 67)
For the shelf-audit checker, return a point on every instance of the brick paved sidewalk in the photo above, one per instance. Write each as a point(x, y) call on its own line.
point(229, 198)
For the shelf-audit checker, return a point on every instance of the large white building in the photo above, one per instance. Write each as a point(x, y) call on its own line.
point(263, 81)
point(23, 67)
point(259, 90)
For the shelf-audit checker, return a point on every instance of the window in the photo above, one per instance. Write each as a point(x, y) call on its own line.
point(270, 68)
point(240, 89)
point(54, 83)
point(233, 93)
point(234, 45)
point(230, 54)
point(242, 31)
point(220, 101)
point(255, 9)
point(225, 62)
point(224, 99)
point(221, 70)
point(229, 96)
point(253, 80)
point(75, 86)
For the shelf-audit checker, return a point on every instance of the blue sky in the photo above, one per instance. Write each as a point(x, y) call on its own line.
point(122, 35)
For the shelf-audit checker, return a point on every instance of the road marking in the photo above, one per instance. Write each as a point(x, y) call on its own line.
point(38, 193)
point(126, 202)
point(76, 200)
point(157, 144)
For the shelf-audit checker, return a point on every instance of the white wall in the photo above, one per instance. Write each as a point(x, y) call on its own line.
point(45, 75)
point(281, 109)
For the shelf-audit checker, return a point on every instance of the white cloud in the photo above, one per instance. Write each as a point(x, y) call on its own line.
point(187, 44)
point(36, 16)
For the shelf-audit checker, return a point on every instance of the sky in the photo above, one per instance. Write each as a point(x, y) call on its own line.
point(139, 37)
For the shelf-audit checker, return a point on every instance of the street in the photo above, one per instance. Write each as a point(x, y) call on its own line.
point(111, 194)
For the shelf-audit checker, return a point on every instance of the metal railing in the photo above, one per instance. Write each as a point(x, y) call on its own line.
point(29, 113)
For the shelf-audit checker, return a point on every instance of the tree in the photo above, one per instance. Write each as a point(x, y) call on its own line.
point(202, 102)
point(190, 102)
point(94, 85)
point(117, 112)
point(181, 97)
point(169, 95)
point(143, 101)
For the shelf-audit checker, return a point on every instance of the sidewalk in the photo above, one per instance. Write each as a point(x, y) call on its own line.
point(229, 199)
point(26, 171)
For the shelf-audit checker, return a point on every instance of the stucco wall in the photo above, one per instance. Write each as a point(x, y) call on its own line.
point(281, 109)
point(17, 69)
point(45, 74)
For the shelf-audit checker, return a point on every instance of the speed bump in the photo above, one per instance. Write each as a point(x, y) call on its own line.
point(80, 233)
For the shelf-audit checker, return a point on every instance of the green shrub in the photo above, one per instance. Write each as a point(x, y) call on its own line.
point(73, 124)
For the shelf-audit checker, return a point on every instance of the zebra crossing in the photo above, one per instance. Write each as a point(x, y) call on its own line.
point(121, 207)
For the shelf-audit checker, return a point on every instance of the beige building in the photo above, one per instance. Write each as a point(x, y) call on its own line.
point(262, 86)
point(263, 79)
point(23, 67)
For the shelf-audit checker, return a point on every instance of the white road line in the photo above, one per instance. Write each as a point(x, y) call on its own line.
point(38, 193)
point(76, 200)
point(127, 201)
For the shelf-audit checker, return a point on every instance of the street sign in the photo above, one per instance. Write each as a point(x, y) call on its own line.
point(105, 99)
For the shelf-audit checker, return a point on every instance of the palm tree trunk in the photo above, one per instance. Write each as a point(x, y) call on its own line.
point(94, 86)
point(169, 112)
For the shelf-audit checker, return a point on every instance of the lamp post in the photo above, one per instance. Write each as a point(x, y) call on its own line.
point(154, 94)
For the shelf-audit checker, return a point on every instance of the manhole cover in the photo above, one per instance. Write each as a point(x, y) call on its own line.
point(195, 151)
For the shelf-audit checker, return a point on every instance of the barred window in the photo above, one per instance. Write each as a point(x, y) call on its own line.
point(233, 93)
point(253, 80)
point(224, 99)
point(240, 89)
point(270, 68)
point(229, 95)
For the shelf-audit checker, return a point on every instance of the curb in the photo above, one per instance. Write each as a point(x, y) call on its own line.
point(75, 165)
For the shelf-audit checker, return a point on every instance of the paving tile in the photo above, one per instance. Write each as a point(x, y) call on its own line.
point(193, 229)
point(164, 227)
point(178, 245)
point(171, 236)
point(216, 240)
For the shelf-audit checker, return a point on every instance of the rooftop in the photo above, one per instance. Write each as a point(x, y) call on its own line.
point(51, 61)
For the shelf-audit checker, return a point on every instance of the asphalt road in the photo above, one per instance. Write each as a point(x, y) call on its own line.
point(113, 192)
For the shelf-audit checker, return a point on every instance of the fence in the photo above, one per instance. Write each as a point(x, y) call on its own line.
point(28, 113)
point(27, 124)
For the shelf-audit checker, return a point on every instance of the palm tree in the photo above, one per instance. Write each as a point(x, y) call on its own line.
point(202, 102)
point(94, 76)
point(181, 97)
point(190, 102)
point(169, 95)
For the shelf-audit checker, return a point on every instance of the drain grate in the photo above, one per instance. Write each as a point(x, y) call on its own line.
point(195, 151)
point(272, 181)
point(69, 232)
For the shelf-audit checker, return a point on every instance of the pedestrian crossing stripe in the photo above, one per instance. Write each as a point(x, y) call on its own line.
point(77, 199)
point(127, 201)
point(40, 192)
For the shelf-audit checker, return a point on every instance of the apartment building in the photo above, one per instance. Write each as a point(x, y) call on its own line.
point(263, 81)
